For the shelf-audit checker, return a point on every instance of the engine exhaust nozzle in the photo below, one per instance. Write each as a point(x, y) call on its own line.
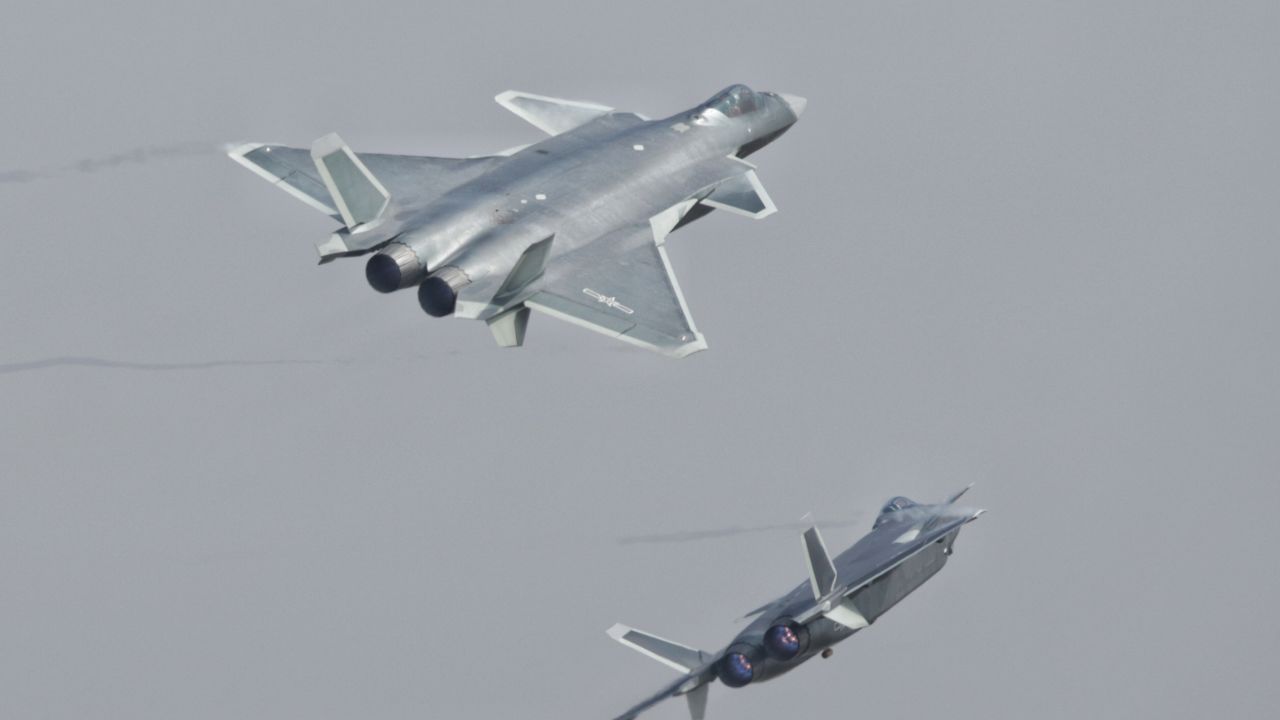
point(785, 640)
point(438, 294)
point(394, 267)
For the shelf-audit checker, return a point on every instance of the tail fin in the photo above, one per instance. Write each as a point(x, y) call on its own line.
point(822, 572)
point(357, 193)
point(672, 654)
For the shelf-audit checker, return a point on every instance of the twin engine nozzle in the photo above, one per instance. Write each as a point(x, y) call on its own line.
point(784, 641)
point(397, 266)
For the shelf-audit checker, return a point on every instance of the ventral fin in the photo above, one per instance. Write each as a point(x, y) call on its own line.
point(847, 614)
point(509, 325)
point(743, 194)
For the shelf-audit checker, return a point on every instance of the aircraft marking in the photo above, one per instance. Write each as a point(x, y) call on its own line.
point(608, 301)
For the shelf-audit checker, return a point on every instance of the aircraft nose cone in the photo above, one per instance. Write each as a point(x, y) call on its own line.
point(796, 102)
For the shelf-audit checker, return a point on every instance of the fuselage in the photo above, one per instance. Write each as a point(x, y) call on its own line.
point(758, 662)
point(908, 544)
point(577, 186)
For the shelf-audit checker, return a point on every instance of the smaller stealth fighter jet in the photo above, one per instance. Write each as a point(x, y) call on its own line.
point(907, 545)
point(572, 226)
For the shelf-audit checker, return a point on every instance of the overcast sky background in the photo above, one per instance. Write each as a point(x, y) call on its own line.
point(1031, 245)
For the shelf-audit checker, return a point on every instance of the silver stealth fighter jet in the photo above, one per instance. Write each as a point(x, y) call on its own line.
point(572, 226)
point(907, 545)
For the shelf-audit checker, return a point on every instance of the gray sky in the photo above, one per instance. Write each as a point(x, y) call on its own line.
point(1032, 245)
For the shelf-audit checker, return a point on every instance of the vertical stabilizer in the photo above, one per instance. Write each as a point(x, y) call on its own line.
point(357, 193)
point(822, 572)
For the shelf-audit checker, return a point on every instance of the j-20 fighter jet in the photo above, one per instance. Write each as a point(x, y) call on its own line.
point(907, 545)
point(572, 226)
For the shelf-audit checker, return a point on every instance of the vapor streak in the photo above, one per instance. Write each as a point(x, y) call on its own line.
point(692, 535)
point(136, 156)
point(95, 362)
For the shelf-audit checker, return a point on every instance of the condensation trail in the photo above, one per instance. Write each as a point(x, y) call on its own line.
point(136, 156)
point(96, 362)
point(693, 535)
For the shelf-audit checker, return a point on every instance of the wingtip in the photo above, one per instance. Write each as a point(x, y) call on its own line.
point(327, 144)
point(236, 150)
point(617, 631)
point(698, 344)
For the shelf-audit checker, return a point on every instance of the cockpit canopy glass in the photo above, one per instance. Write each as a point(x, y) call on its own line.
point(733, 101)
point(896, 504)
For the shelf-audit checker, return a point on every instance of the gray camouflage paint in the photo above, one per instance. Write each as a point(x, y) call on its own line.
point(908, 545)
point(596, 200)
